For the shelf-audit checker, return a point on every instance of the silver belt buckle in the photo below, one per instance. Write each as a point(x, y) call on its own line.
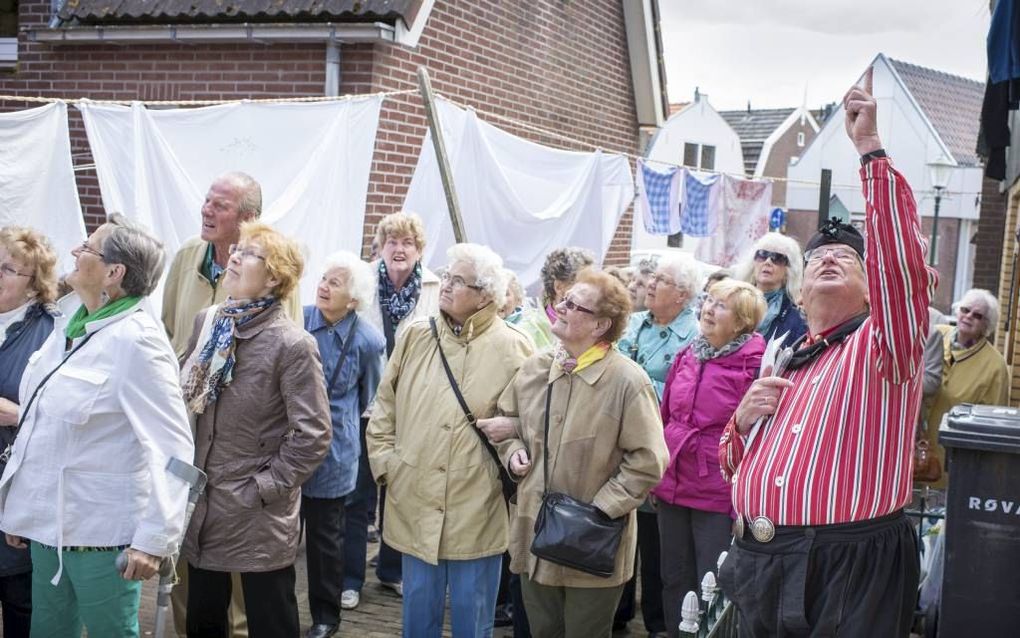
point(738, 526)
point(762, 529)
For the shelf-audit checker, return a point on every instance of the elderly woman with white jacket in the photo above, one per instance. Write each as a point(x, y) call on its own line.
point(101, 415)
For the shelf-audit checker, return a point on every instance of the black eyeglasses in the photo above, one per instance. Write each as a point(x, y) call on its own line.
point(570, 304)
point(964, 310)
point(778, 259)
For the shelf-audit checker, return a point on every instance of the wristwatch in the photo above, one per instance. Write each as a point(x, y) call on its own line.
point(867, 157)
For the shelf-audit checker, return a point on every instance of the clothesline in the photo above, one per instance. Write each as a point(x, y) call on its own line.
point(313, 98)
point(576, 142)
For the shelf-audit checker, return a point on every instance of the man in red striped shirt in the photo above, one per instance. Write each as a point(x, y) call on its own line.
point(819, 484)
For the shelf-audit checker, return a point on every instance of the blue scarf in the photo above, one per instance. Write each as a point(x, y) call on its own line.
point(775, 301)
point(213, 368)
point(398, 303)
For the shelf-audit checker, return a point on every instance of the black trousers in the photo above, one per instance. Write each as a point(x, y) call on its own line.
point(651, 580)
point(848, 580)
point(16, 595)
point(324, 545)
point(268, 596)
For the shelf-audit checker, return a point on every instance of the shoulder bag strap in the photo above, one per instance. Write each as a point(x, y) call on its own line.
point(460, 397)
point(636, 345)
point(545, 440)
point(344, 349)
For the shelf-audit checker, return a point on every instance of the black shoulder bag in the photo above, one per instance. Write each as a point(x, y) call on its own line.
point(6, 454)
point(571, 533)
point(509, 486)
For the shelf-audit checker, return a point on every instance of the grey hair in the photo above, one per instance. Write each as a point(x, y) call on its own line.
point(360, 280)
point(513, 286)
point(488, 267)
point(141, 254)
point(777, 243)
point(647, 265)
point(685, 273)
point(563, 264)
point(991, 304)
point(250, 201)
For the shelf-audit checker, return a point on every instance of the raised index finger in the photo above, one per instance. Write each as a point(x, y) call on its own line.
point(868, 77)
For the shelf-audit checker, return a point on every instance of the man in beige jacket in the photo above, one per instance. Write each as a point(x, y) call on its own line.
point(445, 510)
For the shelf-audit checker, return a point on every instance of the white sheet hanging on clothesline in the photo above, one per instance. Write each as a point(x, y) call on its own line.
point(742, 217)
point(312, 160)
point(519, 198)
point(37, 187)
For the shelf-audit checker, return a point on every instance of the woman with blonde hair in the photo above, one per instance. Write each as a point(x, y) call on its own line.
point(253, 381)
point(775, 265)
point(28, 288)
point(706, 382)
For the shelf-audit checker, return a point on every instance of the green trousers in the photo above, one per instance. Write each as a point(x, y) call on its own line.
point(570, 612)
point(90, 592)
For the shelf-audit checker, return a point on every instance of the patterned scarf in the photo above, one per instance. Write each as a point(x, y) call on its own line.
point(704, 350)
point(212, 366)
point(398, 303)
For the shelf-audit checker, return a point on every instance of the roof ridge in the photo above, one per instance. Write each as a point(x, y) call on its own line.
point(927, 69)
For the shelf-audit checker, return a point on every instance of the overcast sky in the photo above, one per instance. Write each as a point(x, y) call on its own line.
point(771, 51)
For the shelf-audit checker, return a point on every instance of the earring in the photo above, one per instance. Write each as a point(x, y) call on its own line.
point(105, 297)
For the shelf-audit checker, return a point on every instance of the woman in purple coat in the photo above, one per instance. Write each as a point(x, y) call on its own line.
point(703, 387)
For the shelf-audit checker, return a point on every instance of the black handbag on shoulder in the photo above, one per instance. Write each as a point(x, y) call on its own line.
point(509, 486)
point(571, 533)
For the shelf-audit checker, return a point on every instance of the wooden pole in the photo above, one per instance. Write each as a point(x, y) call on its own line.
point(824, 194)
point(425, 86)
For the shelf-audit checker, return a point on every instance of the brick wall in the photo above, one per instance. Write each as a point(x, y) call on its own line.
point(988, 239)
point(559, 66)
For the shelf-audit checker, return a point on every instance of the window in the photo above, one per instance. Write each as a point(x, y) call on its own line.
point(8, 33)
point(800, 139)
point(707, 158)
point(700, 156)
point(691, 155)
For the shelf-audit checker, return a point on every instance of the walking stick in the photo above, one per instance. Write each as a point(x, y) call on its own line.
point(196, 479)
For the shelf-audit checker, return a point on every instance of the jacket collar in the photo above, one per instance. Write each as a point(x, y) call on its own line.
point(260, 322)
point(682, 325)
point(590, 374)
point(317, 321)
point(475, 325)
point(95, 326)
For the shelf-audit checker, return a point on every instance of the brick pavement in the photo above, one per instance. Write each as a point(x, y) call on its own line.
point(377, 616)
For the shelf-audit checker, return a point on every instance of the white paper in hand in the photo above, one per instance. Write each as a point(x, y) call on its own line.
point(773, 364)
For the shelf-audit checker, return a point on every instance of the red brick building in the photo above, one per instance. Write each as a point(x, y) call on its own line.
point(590, 70)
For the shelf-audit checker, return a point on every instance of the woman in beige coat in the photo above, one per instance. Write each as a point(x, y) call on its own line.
point(444, 509)
point(254, 384)
point(605, 448)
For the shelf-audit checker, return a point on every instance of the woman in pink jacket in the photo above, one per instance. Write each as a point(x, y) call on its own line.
point(703, 387)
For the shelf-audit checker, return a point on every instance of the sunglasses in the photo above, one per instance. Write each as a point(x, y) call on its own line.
point(570, 305)
point(964, 310)
point(778, 259)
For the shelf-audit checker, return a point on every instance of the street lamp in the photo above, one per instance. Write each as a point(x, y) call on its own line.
point(941, 169)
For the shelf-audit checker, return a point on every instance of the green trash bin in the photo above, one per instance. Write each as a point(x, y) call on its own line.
point(981, 582)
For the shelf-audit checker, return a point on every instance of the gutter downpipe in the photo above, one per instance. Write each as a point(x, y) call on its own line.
point(332, 88)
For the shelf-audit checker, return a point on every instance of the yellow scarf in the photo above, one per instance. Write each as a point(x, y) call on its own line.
point(592, 355)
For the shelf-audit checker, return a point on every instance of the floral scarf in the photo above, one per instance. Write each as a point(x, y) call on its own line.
point(398, 303)
point(704, 350)
point(212, 366)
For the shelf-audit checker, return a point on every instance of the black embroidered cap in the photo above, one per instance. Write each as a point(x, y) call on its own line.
point(836, 232)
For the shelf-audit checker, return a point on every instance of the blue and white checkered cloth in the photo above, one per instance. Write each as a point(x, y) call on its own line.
point(660, 199)
point(697, 218)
